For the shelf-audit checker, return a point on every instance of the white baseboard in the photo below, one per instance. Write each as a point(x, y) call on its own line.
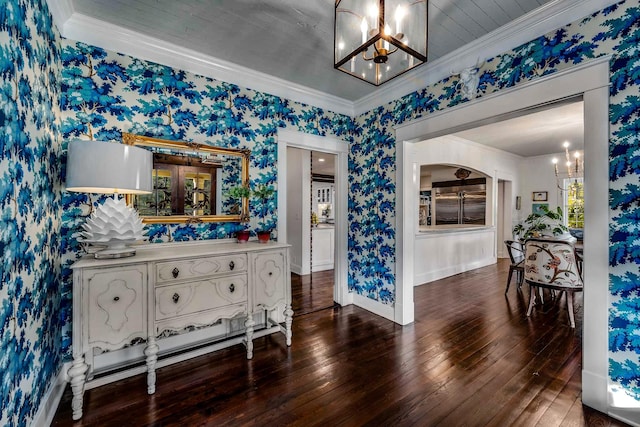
point(430, 276)
point(51, 399)
point(322, 267)
point(296, 269)
point(594, 391)
point(375, 307)
point(629, 416)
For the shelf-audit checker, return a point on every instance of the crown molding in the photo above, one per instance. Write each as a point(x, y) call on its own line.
point(549, 17)
point(61, 10)
point(114, 38)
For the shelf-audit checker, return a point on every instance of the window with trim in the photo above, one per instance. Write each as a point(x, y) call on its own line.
point(574, 202)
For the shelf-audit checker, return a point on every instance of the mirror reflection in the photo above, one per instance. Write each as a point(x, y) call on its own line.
point(192, 182)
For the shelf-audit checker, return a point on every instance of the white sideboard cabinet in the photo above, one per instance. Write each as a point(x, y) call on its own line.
point(171, 287)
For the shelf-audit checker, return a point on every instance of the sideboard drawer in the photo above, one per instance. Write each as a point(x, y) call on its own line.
point(200, 267)
point(192, 297)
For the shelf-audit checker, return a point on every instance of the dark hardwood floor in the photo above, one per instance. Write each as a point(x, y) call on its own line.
point(471, 358)
point(311, 292)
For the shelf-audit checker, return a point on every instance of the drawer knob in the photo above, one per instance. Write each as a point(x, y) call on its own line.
point(175, 298)
point(116, 299)
point(271, 273)
point(175, 272)
point(232, 265)
point(232, 288)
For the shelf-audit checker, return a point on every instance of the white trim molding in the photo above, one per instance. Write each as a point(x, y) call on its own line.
point(552, 15)
point(122, 40)
point(288, 138)
point(51, 400)
point(589, 80)
point(536, 23)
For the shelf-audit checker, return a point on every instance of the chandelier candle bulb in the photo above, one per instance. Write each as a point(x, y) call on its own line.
point(399, 15)
point(389, 32)
point(364, 29)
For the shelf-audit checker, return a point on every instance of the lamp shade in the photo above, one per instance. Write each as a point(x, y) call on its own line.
point(107, 167)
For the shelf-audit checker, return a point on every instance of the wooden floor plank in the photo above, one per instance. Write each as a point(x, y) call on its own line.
point(471, 358)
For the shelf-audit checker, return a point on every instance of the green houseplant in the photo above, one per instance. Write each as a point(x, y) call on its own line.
point(238, 193)
point(548, 222)
point(262, 193)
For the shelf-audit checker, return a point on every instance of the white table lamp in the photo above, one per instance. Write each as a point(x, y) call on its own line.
point(110, 168)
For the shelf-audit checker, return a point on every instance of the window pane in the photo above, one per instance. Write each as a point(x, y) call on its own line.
point(575, 203)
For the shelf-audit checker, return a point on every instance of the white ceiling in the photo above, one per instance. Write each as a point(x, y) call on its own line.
point(535, 134)
point(323, 163)
point(291, 39)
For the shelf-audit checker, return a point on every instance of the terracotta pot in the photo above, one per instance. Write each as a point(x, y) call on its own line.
point(264, 236)
point(242, 236)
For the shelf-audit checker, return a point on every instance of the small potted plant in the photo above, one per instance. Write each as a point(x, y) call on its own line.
point(547, 223)
point(239, 192)
point(262, 193)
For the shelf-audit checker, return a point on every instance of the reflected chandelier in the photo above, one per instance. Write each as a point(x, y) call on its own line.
point(377, 40)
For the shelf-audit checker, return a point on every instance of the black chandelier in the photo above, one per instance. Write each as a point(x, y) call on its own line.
point(377, 40)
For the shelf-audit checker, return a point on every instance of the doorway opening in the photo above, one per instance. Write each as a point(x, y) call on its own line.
point(589, 81)
point(311, 199)
point(295, 207)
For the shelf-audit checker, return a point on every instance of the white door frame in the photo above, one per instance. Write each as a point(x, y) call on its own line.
point(288, 138)
point(591, 80)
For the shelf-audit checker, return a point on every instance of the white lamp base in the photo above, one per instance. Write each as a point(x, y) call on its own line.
point(113, 225)
point(110, 253)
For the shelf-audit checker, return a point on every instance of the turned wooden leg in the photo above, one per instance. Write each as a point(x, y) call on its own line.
point(248, 324)
point(288, 320)
point(151, 351)
point(77, 374)
point(572, 321)
point(532, 299)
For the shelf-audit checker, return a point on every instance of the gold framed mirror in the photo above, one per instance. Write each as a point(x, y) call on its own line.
point(192, 182)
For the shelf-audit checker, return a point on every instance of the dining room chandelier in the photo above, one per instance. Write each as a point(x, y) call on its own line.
point(575, 169)
point(377, 40)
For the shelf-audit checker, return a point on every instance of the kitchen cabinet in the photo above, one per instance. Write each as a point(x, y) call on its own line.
point(322, 248)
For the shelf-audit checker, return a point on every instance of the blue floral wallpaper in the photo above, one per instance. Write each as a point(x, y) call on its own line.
point(102, 94)
point(105, 94)
point(30, 298)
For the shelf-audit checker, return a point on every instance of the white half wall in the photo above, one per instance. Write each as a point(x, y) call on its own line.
point(439, 255)
point(443, 254)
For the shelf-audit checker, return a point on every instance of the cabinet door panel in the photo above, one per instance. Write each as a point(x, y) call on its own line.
point(270, 280)
point(116, 306)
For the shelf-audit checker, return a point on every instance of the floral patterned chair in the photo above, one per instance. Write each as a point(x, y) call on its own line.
point(552, 264)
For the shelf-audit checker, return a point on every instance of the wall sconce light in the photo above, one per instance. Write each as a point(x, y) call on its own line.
point(518, 203)
point(110, 168)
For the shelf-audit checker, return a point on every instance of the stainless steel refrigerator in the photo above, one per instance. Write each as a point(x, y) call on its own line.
point(464, 204)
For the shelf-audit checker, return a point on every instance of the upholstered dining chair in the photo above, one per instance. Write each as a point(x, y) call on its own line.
point(516, 255)
point(552, 264)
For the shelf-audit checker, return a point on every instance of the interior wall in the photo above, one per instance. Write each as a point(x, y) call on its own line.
point(298, 181)
point(32, 304)
point(500, 235)
point(537, 174)
point(445, 254)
